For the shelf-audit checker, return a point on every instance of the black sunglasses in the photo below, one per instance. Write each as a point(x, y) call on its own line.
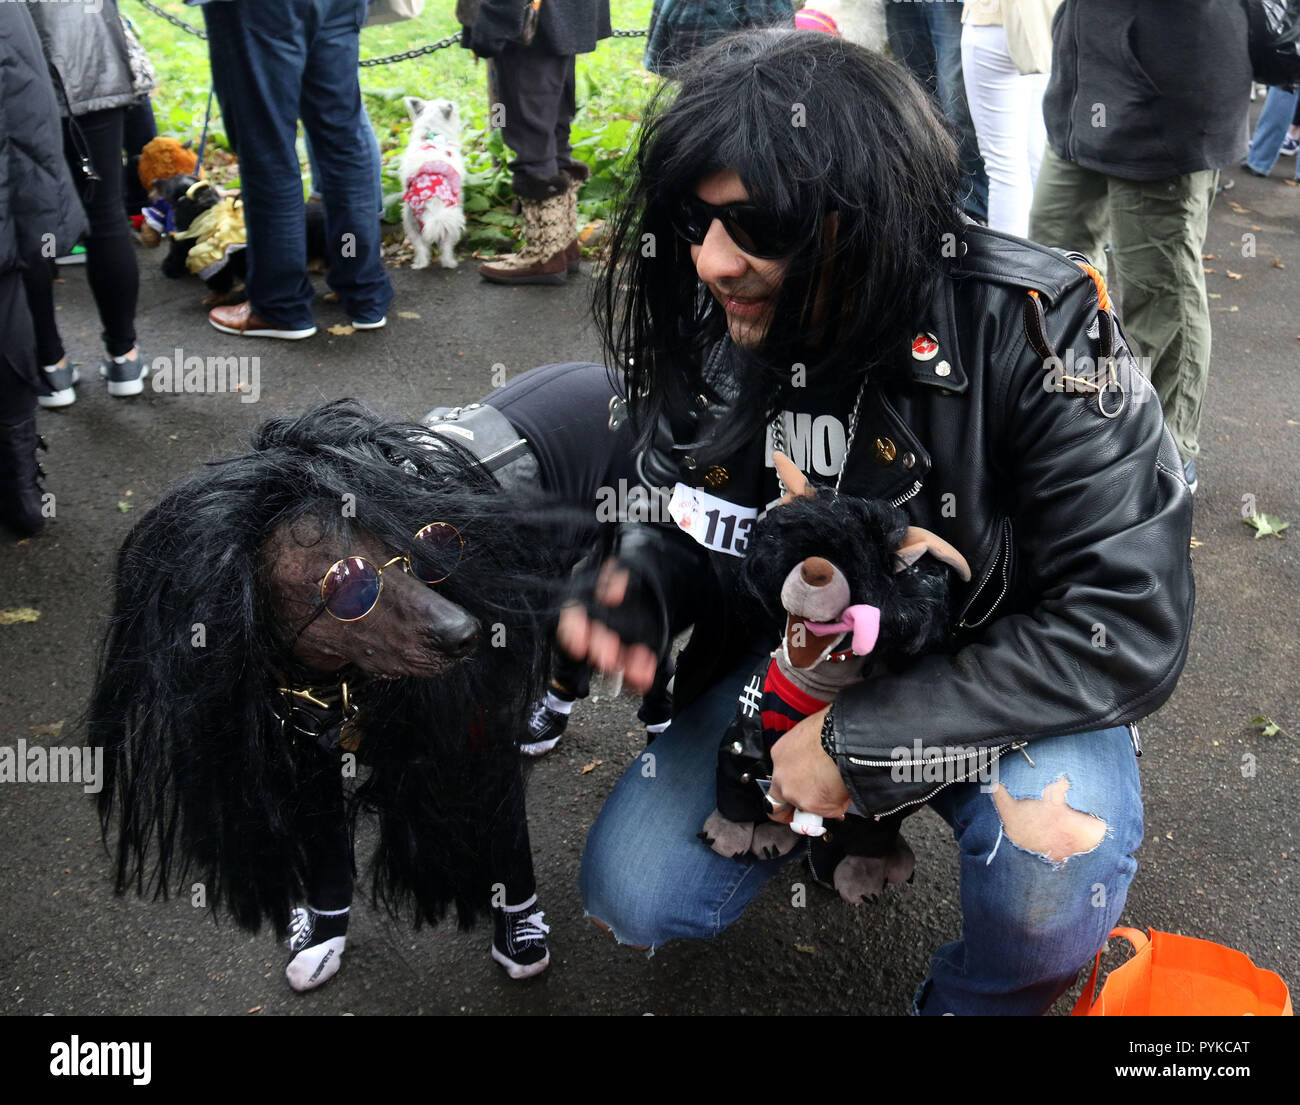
point(754, 229)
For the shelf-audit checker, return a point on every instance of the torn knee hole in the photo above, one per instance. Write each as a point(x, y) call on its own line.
point(1046, 826)
point(605, 928)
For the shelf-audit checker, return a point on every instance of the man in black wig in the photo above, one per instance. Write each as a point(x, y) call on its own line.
point(792, 271)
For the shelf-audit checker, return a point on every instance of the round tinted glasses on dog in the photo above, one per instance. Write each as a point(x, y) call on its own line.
point(754, 229)
point(352, 586)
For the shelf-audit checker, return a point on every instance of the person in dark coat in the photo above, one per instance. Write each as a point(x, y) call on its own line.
point(533, 102)
point(40, 216)
point(85, 46)
point(678, 28)
point(1146, 103)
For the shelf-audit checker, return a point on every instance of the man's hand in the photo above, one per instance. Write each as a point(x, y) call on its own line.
point(804, 776)
point(585, 638)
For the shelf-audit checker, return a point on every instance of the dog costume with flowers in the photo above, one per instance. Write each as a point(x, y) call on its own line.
point(855, 584)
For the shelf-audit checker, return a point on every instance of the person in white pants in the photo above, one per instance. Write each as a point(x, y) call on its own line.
point(1007, 109)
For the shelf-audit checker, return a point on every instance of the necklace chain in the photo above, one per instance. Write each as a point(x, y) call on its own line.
point(778, 437)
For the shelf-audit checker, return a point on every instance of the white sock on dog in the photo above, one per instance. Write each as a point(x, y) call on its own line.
point(317, 940)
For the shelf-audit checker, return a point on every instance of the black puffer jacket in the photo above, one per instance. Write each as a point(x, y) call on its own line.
point(40, 213)
point(1076, 527)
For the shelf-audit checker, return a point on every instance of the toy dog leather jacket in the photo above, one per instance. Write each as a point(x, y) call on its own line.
point(1059, 484)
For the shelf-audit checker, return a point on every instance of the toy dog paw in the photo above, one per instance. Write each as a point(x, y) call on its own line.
point(773, 840)
point(728, 838)
point(861, 878)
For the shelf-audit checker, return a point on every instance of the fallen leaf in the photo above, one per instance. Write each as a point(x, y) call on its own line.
point(1292, 422)
point(1214, 295)
point(1232, 275)
point(1291, 183)
point(589, 768)
point(16, 614)
point(129, 492)
point(256, 1009)
point(407, 314)
point(1267, 726)
point(340, 330)
point(1196, 544)
point(807, 949)
point(1169, 835)
point(1265, 524)
point(1237, 207)
point(1256, 228)
point(1208, 257)
point(1209, 270)
point(51, 730)
point(123, 505)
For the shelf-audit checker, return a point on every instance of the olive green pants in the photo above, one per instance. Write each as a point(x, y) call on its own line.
point(1156, 230)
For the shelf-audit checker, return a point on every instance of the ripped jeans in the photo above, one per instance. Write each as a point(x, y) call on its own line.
point(1028, 924)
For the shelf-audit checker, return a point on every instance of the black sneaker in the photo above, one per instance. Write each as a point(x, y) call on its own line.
point(545, 728)
point(519, 941)
point(317, 941)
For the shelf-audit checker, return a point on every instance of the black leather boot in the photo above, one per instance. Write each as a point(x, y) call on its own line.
point(20, 490)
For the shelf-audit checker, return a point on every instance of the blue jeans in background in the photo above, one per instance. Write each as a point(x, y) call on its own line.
point(1028, 925)
point(273, 62)
point(1274, 119)
point(926, 37)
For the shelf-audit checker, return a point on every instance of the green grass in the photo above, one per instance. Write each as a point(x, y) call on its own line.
point(612, 87)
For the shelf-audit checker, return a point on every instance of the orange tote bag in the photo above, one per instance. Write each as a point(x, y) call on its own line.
point(1180, 976)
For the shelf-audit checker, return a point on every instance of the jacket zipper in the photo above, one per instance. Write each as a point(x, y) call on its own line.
point(1004, 560)
point(1001, 751)
point(911, 493)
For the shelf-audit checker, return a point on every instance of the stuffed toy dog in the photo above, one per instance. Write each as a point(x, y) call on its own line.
point(852, 581)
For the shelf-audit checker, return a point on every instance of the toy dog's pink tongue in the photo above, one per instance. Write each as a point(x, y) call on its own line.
point(862, 620)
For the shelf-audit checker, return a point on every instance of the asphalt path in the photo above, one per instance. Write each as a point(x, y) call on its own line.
point(1220, 856)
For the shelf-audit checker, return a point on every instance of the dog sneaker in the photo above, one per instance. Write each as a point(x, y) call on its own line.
point(60, 381)
point(519, 939)
point(125, 377)
point(316, 940)
point(546, 725)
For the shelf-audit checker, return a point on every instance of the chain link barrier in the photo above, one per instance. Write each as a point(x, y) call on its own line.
point(389, 59)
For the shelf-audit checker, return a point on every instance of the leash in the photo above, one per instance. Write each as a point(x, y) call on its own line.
point(203, 138)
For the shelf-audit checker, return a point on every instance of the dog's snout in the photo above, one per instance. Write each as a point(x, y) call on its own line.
point(817, 572)
point(455, 635)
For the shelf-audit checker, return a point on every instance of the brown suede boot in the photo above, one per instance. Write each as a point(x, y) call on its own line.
point(543, 258)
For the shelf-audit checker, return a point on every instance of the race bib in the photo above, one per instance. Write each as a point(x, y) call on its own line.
point(715, 523)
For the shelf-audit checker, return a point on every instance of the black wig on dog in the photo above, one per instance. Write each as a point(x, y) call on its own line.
point(859, 537)
point(206, 780)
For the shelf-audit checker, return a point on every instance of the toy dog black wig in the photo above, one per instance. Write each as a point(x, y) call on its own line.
point(207, 632)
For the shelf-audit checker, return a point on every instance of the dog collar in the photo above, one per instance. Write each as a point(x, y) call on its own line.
point(326, 714)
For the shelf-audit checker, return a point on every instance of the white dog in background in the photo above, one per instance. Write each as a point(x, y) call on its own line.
point(431, 173)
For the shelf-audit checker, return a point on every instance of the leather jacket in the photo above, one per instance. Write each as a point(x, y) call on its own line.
point(1071, 509)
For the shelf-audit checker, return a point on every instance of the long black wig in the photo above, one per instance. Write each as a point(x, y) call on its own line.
point(825, 135)
point(206, 780)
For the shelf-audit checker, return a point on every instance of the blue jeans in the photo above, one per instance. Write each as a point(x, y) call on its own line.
point(926, 37)
point(1028, 924)
point(272, 62)
point(365, 138)
point(1274, 119)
